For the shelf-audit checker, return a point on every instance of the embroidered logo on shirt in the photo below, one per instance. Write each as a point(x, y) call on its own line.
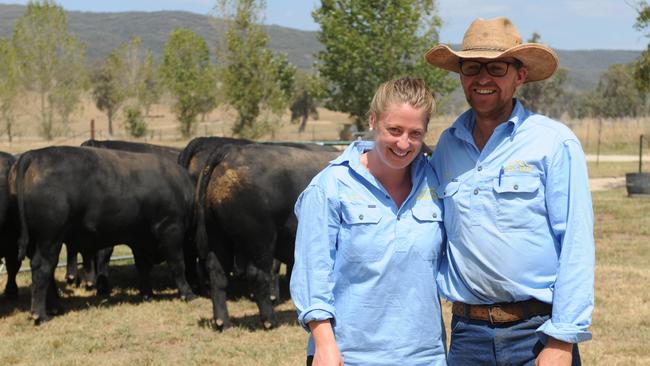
point(517, 165)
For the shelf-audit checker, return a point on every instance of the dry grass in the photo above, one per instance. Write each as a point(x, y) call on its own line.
point(615, 169)
point(121, 330)
point(618, 136)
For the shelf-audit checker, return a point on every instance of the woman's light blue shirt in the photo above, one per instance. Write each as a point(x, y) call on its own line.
point(370, 266)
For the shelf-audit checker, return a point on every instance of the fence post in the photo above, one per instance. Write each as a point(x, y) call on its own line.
point(640, 153)
point(600, 128)
point(92, 129)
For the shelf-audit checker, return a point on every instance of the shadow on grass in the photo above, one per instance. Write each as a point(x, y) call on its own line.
point(252, 322)
point(124, 280)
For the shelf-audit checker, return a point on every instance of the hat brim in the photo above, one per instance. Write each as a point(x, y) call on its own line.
point(540, 61)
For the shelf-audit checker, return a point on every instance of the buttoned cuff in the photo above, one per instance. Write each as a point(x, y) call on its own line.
point(316, 313)
point(565, 332)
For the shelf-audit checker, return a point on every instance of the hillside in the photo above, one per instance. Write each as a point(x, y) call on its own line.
point(102, 32)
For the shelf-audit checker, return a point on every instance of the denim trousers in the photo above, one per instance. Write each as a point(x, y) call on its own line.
point(475, 342)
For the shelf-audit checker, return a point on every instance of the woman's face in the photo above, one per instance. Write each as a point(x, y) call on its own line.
point(399, 135)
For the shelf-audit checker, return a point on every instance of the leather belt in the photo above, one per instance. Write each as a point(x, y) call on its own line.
point(502, 312)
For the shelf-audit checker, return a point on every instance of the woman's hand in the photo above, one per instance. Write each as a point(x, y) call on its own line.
point(327, 356)
point(327, 352)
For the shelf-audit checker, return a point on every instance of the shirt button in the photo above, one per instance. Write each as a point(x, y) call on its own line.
point(435, 215)
point(479, 168)
point(516, 187)
point(360, 217)
point(476, 191)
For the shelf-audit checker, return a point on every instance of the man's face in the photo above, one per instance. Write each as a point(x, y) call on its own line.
point(491, 96)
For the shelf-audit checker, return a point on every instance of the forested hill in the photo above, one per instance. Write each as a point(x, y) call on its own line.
point(101, 32)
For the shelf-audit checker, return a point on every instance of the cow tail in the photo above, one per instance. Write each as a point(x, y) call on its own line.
point(21, 168)
point(201, 237)
point(188, 152)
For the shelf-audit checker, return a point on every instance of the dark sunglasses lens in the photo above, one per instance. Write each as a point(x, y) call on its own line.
point(470, 68)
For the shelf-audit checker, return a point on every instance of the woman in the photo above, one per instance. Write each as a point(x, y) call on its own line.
point(369, 234)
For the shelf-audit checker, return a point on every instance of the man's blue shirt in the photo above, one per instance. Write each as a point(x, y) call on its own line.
point(519, 219)
point(369, 265)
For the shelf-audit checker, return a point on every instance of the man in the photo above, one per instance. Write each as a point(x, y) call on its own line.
point(519, 263)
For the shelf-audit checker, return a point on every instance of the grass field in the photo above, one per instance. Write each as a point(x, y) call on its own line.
point(120, 330)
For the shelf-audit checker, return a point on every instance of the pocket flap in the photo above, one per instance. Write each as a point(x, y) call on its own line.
point(516, 183)
point(427, 212)
point(447, 190)
point(358, 214)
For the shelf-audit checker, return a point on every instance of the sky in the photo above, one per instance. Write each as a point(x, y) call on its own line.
point(562, 24)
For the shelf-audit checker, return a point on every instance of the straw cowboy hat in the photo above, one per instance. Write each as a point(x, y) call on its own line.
point(497, 38)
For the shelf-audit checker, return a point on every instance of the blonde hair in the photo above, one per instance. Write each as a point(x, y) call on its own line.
point(403, 90)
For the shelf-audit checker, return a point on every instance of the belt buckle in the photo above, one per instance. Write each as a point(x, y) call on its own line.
point(490, 308)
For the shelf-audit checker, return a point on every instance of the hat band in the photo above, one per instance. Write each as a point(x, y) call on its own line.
point(484, 49)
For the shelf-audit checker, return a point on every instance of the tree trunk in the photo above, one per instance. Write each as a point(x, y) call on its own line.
point(110, 121)
point(303, 123)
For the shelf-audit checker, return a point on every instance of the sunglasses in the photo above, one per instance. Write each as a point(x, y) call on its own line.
point(494, 68)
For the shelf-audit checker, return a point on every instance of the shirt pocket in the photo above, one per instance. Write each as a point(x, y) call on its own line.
point(519, 202)
point(426, 232)
point(360, 239)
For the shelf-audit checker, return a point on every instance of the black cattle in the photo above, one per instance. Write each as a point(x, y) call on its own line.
point(96, 263)
point(168, 152)
point(195, 154)
point(94, 198)
point(8, 229)
point(245, 202)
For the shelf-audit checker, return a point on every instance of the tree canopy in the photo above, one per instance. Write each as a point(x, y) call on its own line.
point(187, 73)
point(252, 77)
point(52, 61)
point(369, 42)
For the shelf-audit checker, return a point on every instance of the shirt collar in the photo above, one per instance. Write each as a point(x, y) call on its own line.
point(462, 127)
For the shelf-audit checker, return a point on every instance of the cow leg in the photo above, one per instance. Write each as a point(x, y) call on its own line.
point(43, 263)
point(12, 264)
point(260, 280)
point(171, 242)
point(275, 281)
point(143, 264)
point(192, 271)
point(89, 273)
point(71, 270)
point(52, 303)
point(102, 259)
point(218, 283)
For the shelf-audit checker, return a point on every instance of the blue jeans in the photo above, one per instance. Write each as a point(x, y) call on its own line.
point(475, 342)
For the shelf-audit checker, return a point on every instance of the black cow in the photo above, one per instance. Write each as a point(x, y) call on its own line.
point(140, 147)
point(96, 263)
point(195, 154)
point(93, 199)
point(8, 229)
point(245, 205)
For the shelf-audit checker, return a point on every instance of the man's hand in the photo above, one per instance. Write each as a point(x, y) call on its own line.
point(556, 353)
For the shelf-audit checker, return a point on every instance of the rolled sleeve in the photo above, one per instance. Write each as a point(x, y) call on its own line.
point(571, 216)
point(312, 279)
